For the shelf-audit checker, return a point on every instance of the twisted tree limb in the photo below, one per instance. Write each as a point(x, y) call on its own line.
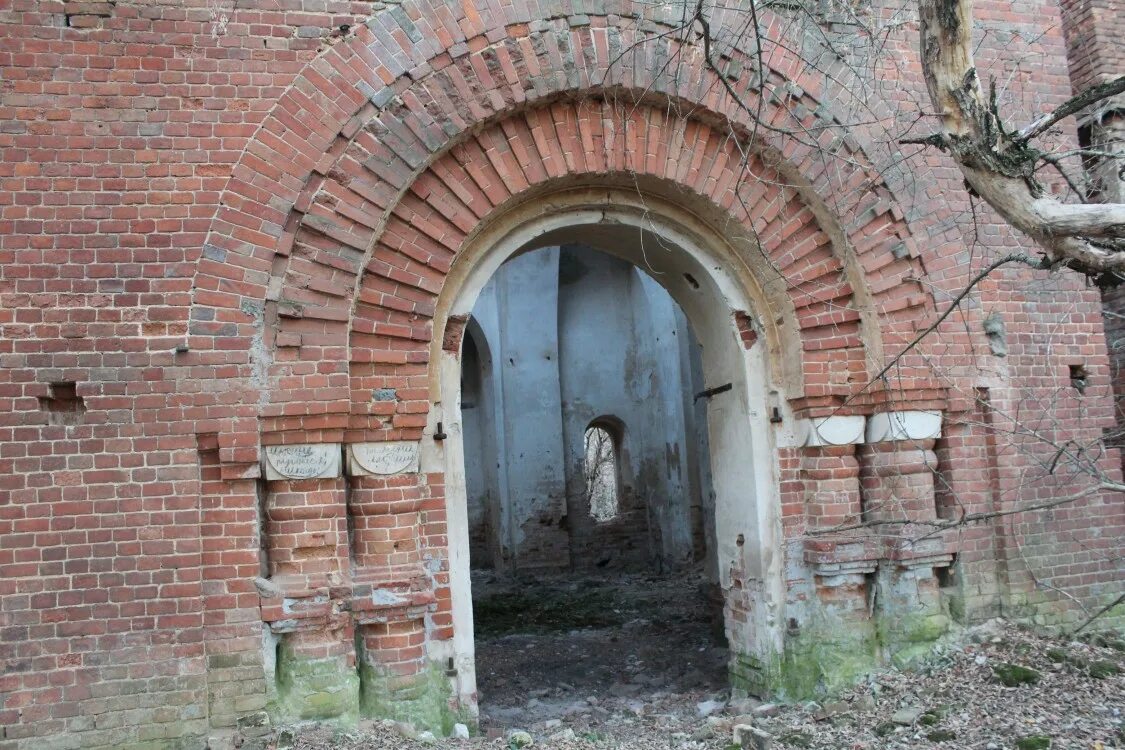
point(999, 166)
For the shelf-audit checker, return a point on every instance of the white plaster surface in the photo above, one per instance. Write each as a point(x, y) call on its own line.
point(575, 335)
point(833, 430)
point(903, 425)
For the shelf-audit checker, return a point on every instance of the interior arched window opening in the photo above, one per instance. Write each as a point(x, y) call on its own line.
point(603, 479)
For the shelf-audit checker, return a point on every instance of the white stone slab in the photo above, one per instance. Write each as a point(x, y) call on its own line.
point(903, 425)
point(311, 461)
point(383, 459)
point(834, 430)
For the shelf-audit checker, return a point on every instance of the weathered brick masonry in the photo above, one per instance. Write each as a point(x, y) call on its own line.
point(1094, 30)
point(229, 231)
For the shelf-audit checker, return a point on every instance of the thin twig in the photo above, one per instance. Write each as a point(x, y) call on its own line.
point(1120, 598)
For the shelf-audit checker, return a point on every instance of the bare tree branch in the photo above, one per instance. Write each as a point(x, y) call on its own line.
point(969, 518)
point(953, 305)
point(1076, 104)
point(998, 165)
point(1099, 613)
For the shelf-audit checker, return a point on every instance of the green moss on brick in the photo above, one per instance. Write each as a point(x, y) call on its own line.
point(426, 702)
point(320, 689)
point(832, 652)
point(820, 660)
point(908, 639)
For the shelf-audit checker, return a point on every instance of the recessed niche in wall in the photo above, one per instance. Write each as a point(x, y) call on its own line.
point(947, 575)
point(1078, 377)
point(63, 404)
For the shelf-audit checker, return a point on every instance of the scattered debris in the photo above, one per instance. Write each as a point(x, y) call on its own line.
point(906, 716)
point(622, 688)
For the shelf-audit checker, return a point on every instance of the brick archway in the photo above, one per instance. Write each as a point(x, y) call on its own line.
point(368, 149)
point(318, 293)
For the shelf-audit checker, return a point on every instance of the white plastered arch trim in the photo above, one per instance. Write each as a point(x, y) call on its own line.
point(692, 262)
point(837, 430)
point(529, 223)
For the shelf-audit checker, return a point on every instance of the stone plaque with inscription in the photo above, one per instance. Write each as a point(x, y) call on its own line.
point(317, 461)
point(381, 459)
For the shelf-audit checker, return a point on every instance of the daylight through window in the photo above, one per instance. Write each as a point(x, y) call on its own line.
point(602, 488)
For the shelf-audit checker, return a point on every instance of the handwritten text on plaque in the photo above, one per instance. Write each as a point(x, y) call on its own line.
point(316, 461)
point(383, 458)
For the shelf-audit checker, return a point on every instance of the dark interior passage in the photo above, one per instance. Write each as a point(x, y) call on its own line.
point(589, 489)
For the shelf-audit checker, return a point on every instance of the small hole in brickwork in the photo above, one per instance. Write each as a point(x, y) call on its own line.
point(277, 676)
point(945, 504)
point(871, 589)
point(946, 577)
point(1078, 378)
point(63, 404)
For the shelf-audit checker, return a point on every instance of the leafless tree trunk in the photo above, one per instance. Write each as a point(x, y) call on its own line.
point(999, 164)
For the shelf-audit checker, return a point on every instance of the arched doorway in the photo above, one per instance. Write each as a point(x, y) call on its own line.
point(685, 257)
point(335, 284)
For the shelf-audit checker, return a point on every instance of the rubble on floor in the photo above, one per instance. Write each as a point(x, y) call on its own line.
point(656, 682)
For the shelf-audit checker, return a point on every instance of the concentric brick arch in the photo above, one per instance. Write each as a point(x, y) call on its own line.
point(802, 288)
point(347, 208)
point(391, 155)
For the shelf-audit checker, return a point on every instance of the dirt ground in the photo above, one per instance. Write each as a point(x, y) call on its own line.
point(582, 650)
point(632, 664)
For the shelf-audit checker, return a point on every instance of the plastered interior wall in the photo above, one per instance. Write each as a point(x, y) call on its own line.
point(571, 335)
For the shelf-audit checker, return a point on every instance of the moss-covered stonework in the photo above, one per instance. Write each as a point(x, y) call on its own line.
point(427, 702)
point(911, 614)
point(832, 652)
point(907, 639)
point(321, 689)
point(820, 660)
point(329, 690)
point(825, 659)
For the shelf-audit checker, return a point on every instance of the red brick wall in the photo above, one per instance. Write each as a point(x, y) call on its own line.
point(130, 526)
point(1094, 30)
point(118, 134)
